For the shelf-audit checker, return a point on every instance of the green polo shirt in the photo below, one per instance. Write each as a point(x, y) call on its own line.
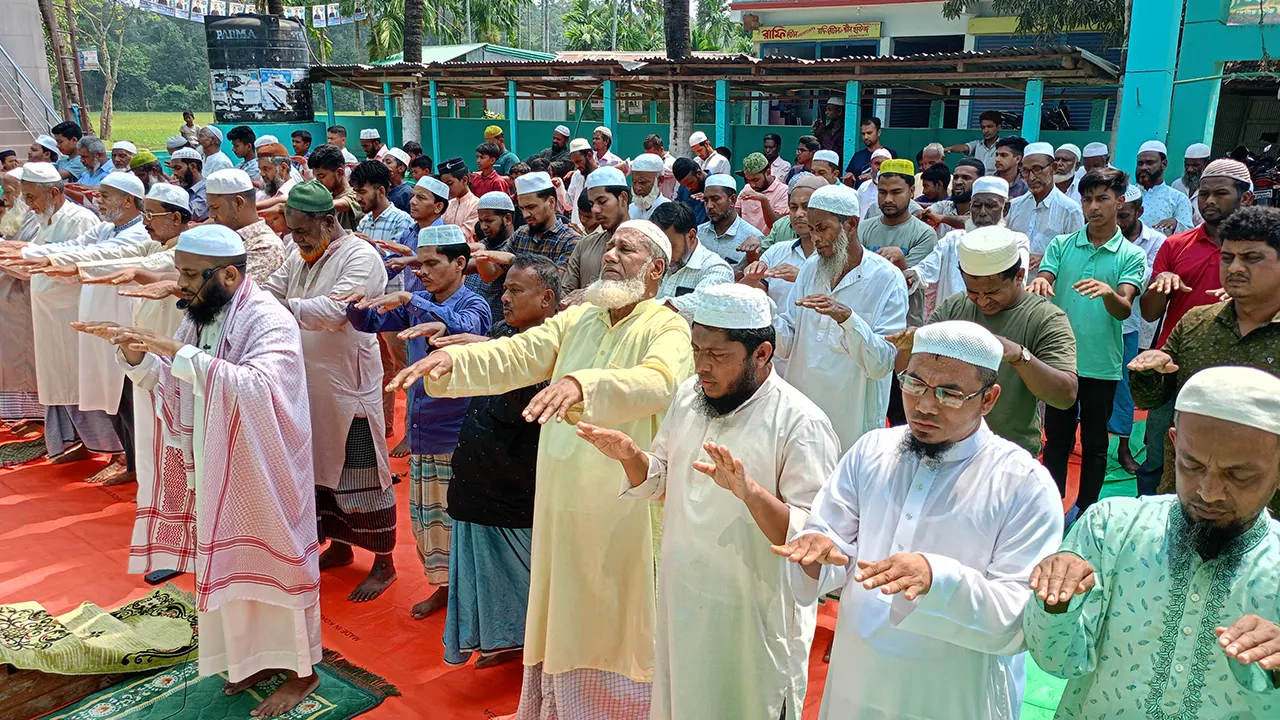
point(1072, 258)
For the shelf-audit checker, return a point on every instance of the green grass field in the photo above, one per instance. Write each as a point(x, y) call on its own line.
point(148, 129)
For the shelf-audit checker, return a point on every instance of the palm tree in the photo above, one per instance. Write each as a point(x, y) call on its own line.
point(411, 100)
point(675, 28)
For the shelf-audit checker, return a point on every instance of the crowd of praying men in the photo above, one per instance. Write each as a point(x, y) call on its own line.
point(658, 409)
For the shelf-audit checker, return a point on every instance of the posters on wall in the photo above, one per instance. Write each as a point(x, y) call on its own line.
point(326, 15)
point(258, 69)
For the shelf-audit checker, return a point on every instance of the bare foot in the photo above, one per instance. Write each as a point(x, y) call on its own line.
point(497, 658)
point(1125, 456)
point(77, 452)
point(381, 575)
point(292, 691)
point(116, 467)
point(336, 555)
point(26, 427)
point(235, 688)
point(438, 601)
point(401, 450)
point(123, 478)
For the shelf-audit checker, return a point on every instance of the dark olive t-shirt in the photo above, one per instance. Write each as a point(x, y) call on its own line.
point(1036, 324)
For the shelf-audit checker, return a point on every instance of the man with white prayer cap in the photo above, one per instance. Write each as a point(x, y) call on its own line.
point(932, 529)
point(67, 227)
point(175, 143)
point(371, 143)
point(583, 158)
point(832, 327)
point(558, 153)
point(497, 224)
point(614, 361)
point(1163, 208)
point(1181, 586)
point(829, 169)
point(121, 153)
point(725, 232)
point(645, 190)
point(1096, 155)
point(239, 355)
point(1194, 161)
point(709, 161)
point(210, 139)
point(1067, 169)
point(43, 149)
point(233, 202)
point(736, 463)
point(543, 232)
point(1039, 347)
point(187, 166)
point(1042, 213)
point(606, 188)
point(601, 141)
point(264, 140)
point(19, 401)
point(868, 190)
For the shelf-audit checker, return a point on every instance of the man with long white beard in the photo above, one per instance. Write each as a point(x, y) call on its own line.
point(122, 154)
point(1067, 170)
point(614, 362)
point(276, 171)
point(731, 641)
point(646, 193)
point(19, 401)
point(188, 173)
point(832, 328)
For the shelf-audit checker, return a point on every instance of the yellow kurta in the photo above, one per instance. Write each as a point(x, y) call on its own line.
point(591, 593)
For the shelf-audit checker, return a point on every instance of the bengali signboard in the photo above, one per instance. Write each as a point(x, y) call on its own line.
point(820, 32)
point(1249, 12)
point(258, 66)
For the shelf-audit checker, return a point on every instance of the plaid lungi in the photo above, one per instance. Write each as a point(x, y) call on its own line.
point(358, 512)
point(582, 694)
point(429, 477)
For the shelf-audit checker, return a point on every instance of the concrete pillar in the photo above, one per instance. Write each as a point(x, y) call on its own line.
point(723, 119)
point(1148, 80)
point(1098, 115)
point(328, 103)
point(1032, 99)
point(852, 120)
point(611, 106)
point(433, 92)
point(389, 109)
point(513, 115)
point(936, 108)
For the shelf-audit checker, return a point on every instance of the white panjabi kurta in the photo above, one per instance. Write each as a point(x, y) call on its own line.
point(983, 517)
point(731, 640)
point(344, 368)
point(55, 305)
point(845, 367)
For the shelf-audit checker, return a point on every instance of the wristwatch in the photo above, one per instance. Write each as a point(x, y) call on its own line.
point(1023, 358)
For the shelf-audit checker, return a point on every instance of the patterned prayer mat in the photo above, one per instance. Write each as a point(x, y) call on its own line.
point(21, 451)
point(155, 631)
point(345, 691)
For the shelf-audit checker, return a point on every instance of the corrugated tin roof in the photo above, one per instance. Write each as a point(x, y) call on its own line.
point(447, 53)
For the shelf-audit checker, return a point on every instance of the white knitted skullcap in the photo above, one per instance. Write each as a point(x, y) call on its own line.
point(603, 131)
point(1132, 194)
point(647, 162)
point(562, 131)
point(125, 182)
point(1038, 148)
point(606, 176)
point(437, 235)
point(1197, 151)
point(126, 146)
point(231, 181)
point(175, 142)
point(579, 145)
point(651, 231)
point(264, 140)
point(370, 134)
point(697, 138)
point(211, 241)
point(47, 142)
point(1153, 146)
point(40, 172)
point(721, 180)
point(1242, 395)
point(988, 251)
point(880, 153)
point(496, 200)
point(1096, 150)
point(186, 153)
point(1071, 148)
point(828, 156)
point(435, 187)
point(837, 199)
point(992, 185)
point(170, 195)
point(400, 155)
point(533, 182)
point(960, 339)
point(733, 306)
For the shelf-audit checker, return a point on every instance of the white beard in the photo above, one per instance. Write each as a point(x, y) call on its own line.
point(832, 268)
point(614, 294)
point(11, 225)
point(645, 202)
point(1059, 179)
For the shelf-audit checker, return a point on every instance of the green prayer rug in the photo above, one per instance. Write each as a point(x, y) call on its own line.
point(179, 692)
point(18, 452)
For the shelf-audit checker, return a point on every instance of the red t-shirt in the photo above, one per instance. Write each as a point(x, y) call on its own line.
point(481, 184)
point(1192, 256)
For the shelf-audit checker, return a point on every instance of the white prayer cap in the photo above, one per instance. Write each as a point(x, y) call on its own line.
point(264, 140)
point(47, 142)
point(579, 145)
point(1153, 146)
point(881, 153)
point(988, 251)
point(651, 231)
point(1071, 148)
point(603, 131)
point(496, 200)
point(370, 134)
point(837, 199)
point(828, 156)
point(1197, 151)
point(733, 306)
point(170, 195)
point(437, 235)
point(533, 182)
point(960, 339)
point(647, 162)
point(400, 155)
point(992, 185)
point(186, 153)
point(1133, 194)
point(126, 146)
point(835, 100)
point(125, 182)
point(211, 241)
point(1242, 395)
point(435, 187)
point(1096, 150)
point(562, 131)
point(15, 173)
point(212, 131)
point(697, 139)
point(175, 142)
point(231, 181)
point(606, 177)
point(1038, 148)
point(40, 172)
point(721, 180)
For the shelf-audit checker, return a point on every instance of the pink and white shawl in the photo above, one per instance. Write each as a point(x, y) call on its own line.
point(255, 517)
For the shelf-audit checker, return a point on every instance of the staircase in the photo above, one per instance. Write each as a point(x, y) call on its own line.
point(25, 112)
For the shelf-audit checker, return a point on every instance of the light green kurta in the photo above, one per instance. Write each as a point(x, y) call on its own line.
point(1141, 644)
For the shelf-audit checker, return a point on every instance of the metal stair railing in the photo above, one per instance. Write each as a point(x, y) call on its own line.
point(30, 106)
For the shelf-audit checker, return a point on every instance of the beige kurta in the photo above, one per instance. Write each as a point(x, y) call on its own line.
point(591, 594)
point(344, 367)
point(731, 640)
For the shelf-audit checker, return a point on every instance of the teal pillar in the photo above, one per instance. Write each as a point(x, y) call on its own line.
point(433, 93)
point(513, 115)
point(1148, 80)
point(328, 104)
point(611, 106)
point(389, 109)
point(723, 120)
point(653, 112)
point(1098, 115)
point(852, 119)
point(1032, 99)
point(936, 108)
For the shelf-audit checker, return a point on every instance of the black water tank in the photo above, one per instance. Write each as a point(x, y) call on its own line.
point(258, 69)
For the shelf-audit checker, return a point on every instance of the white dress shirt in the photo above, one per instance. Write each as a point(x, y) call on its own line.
point(983, 517)
point(783, 253)
point(1163, 202)
point(1150, 241)
point(703, 269)
point(845, 367)
point(1043, 221)
point(715, 164)
point(726, 244)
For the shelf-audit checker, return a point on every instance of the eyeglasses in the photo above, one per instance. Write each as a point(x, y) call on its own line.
point(916, 387)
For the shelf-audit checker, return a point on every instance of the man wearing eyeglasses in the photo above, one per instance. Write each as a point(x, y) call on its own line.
point(945, 521)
